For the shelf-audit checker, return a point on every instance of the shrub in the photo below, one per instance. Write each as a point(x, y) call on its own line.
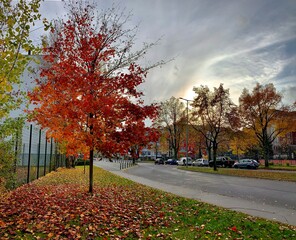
point(7, 165)
point(81, 162)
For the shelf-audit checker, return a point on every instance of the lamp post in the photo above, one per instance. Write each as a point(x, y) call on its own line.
point(187, 100)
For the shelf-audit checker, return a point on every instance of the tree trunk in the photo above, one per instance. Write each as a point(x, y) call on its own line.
point(209, 153)
point(68, 162)
point(175, 148)
point(266, 159)
point(175, 152)
point(91, 170)
point(91, 159)
point(199, 152)
point(72, 161)
point(266, 148)
point(209, 148)
point(215, 147)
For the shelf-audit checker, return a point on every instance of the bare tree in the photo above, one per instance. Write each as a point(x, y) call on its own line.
point(171, 117)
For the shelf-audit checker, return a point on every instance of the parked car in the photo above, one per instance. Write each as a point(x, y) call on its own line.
point(246, 163)
point(200, 162)
point(222, 162)
point(159, 161)
point(171, 162)
point(182, 161)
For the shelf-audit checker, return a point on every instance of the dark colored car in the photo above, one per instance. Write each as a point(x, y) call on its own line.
point(246, 163)
point(171, 162)
point(222, 162)
point(159, 161)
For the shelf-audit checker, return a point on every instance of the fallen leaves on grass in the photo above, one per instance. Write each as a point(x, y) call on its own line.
point(67, 211)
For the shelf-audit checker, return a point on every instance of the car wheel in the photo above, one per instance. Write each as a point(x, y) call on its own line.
point(236, 166)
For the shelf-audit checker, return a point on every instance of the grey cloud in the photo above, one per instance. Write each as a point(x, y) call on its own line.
point(288, 93)
point(229, 41)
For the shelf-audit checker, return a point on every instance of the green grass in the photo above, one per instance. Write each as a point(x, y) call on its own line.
point(272, 175)
point(279, 167)
point(58, 206)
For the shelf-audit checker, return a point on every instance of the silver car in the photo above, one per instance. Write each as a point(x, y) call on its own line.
point(246, 163)
point(201, 162)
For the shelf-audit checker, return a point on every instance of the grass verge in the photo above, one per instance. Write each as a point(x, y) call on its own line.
point(58, 206)
point(279, 167)
point(272, 175)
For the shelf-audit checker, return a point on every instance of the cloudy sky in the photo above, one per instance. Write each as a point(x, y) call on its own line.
point(234, 42)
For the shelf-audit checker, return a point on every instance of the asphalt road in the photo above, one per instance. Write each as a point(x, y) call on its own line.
point(274, 200)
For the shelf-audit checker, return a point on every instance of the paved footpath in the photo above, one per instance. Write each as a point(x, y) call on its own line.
point(287, 216)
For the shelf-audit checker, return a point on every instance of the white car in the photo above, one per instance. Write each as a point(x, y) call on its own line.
point(182, 161)
point(200, 162)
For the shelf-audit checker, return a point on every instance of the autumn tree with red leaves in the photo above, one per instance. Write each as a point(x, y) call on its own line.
point(87, 91)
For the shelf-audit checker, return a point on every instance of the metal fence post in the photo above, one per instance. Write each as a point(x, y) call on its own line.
point(16, 150)
point(29, 157)
point(56, 157)
point(45, 155)
point(50, 155)
point(38, 156)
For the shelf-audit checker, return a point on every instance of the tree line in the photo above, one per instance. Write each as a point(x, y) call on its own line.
point(258, 119)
